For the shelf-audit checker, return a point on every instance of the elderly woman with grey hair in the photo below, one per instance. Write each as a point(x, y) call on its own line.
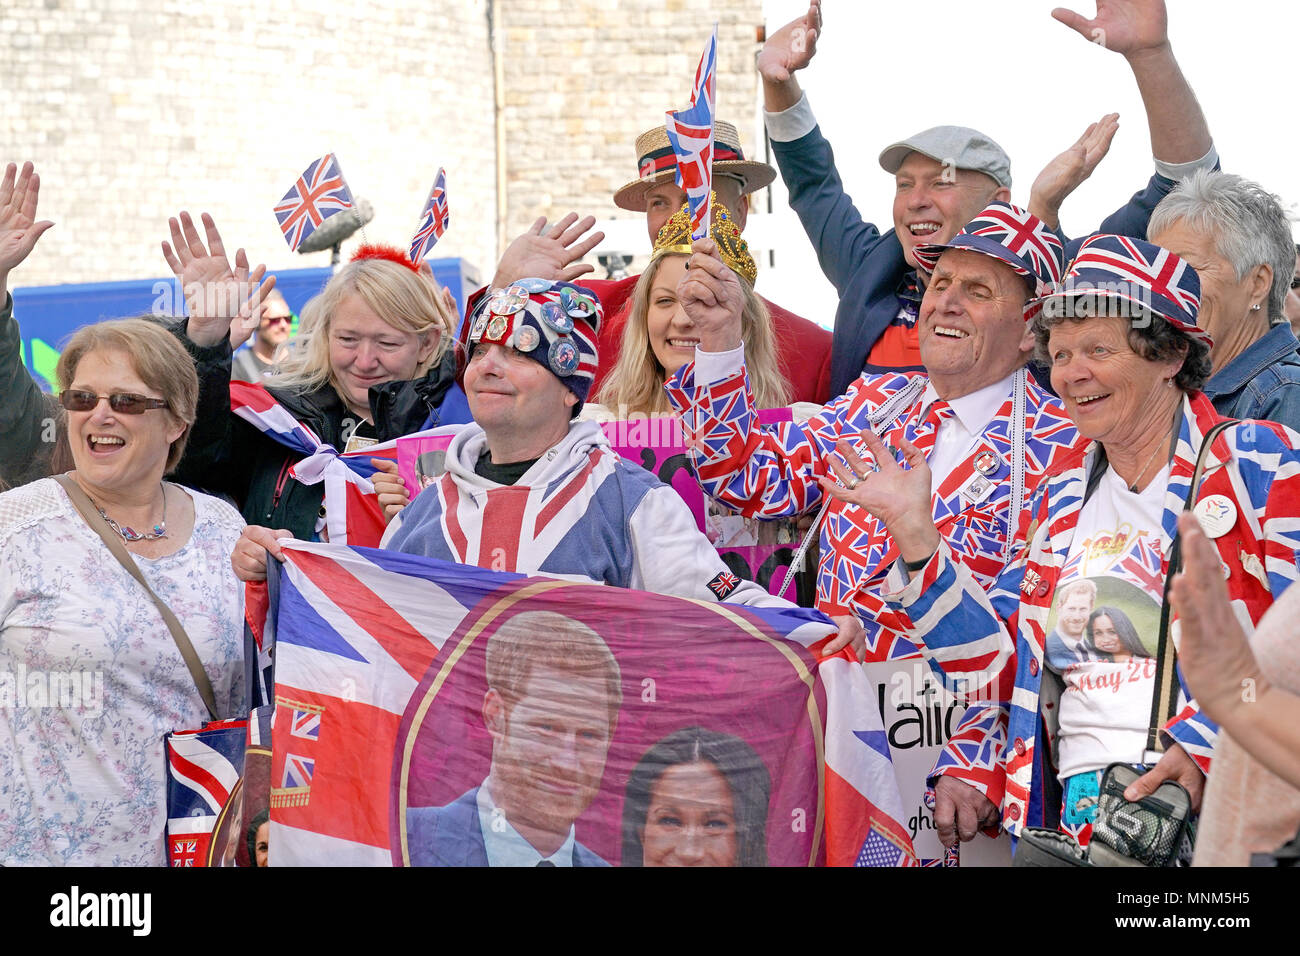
point(1237, 237)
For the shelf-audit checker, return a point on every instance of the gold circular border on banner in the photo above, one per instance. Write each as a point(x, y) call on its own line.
point(541, 587)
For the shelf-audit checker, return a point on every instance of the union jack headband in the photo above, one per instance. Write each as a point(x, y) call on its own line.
point(552, 323)
point(1012, 235)
point(1132, 270)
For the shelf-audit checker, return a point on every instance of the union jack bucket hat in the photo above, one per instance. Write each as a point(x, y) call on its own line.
point(1011, 235)
point(1120, 268)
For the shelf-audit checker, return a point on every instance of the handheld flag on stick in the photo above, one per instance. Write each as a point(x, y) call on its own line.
point(434, 219)
point(691, 133)
point(317, 194)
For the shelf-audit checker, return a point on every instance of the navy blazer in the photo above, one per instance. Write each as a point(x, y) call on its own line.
point(867, 266)
point(451, 836)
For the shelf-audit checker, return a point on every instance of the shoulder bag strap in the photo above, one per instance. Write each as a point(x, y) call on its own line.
point(1165, 702)
point(83, 504)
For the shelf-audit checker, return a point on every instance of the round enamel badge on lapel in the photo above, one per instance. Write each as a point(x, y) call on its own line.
point(1216, 514)
point(987, 463)
point(563, 357)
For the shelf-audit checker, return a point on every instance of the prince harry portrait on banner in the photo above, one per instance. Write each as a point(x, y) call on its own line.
point(551, 707)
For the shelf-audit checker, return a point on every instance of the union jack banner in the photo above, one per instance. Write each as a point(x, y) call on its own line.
point(691, 133)
point(317, 194)
point(1139, 272)
point(203, 767)
point(395, 654)
point(352, 508)
point(434, 219)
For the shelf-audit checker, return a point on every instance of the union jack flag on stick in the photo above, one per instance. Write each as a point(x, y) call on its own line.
point(320, 192)
point(691, 133)
point(434, 219)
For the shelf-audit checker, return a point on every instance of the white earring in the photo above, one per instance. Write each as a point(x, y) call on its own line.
point(1255, 307)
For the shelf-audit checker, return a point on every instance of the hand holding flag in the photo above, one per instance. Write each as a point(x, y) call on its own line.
point(317, 194)
point(434, 219)
point(691, 133)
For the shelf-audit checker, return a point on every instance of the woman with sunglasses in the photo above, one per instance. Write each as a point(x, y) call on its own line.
point(1237, 237)
point(90, 675)
point(372, 361)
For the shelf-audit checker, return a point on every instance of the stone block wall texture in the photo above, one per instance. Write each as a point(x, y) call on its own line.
point(135, 109)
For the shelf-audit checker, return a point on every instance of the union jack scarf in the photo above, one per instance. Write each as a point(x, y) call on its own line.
point(352, 512)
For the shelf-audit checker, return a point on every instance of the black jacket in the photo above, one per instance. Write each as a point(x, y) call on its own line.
point(226, 455)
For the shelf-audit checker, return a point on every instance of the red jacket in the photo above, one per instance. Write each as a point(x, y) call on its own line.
point(803, 348)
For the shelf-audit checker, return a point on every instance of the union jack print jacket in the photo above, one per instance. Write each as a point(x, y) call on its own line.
point(580, 512)
point(991, 640)
point(773, 471)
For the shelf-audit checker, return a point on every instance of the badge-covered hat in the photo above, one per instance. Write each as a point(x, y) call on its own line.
point(1133, 271)
point(675, 237)
point(1011, 235)
point(656, 163)
point(963, 147)
point(553, 323)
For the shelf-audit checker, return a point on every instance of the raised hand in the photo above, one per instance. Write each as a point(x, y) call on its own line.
point(19, 230)
point(549, 254)
point(898, 496)
point(216, 294)
point(1129, 27)
point(1064, 174)
point(712, 296)
point(792, 47)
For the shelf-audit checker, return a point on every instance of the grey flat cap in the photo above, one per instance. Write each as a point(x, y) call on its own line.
point(962, 146)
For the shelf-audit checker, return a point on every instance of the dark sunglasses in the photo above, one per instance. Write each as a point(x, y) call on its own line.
point(1295, 282)
point(275, 319)
point(79, 400)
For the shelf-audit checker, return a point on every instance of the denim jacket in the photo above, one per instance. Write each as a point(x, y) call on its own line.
point(1262, 382)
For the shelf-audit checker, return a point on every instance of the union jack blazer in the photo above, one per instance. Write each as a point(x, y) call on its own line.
point(992, 640)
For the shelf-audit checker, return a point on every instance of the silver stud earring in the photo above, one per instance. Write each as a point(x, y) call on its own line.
point(1255, 307)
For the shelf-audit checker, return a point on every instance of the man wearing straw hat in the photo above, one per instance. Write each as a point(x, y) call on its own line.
point(803, 347)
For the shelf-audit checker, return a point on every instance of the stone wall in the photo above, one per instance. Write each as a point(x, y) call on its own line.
point(133, 111)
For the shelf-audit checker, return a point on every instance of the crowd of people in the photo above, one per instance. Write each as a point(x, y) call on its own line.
point(1065, 471)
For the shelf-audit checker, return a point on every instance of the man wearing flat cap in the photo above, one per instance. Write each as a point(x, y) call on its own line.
point(803, 347)
point(946, 174)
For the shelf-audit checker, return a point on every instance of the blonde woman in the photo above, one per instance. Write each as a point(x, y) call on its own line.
point(373, 361)
point(660, 337)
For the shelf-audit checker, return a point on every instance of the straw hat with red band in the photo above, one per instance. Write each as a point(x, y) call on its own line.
point(552, 323)
point(1119, 268)
point(657, 163)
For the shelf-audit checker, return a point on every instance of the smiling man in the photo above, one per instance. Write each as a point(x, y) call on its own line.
point(987, 430)
point(551, 706)
point(945, 175)
point(530, 489)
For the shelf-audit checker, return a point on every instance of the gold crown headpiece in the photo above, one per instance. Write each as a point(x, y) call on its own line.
point(675, 237)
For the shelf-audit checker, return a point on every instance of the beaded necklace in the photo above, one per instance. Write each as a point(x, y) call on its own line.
point(130, 534)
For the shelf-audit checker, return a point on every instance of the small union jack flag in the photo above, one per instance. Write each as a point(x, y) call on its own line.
point(317, 194)
point(691, 133)
point(298, 771)
point(434, 219)
point(723, 584)
point(306, 723)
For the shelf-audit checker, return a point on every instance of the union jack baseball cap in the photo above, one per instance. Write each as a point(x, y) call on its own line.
point(553, 323)
point(1011, 235)
point(1135, 271)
